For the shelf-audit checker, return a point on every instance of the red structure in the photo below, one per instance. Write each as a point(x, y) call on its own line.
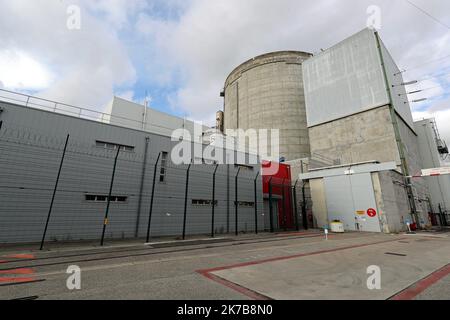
point(278, 176)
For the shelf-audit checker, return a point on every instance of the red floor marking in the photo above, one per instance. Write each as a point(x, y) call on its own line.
point(417, 288)
point(253, 295)
point(18, 271)
point(298, 234)
point(21, 256)
point(16, 280)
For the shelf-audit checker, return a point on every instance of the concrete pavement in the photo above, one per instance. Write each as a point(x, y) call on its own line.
point(293, 266)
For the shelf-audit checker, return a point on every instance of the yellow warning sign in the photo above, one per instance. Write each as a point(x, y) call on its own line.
point(361, 212)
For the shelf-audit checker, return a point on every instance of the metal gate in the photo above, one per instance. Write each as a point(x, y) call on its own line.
point(351, 200)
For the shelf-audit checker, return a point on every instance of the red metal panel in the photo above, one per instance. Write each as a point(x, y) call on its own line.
point(281, 182)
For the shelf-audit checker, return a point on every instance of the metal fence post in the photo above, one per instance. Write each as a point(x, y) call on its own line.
point(185, 201)
point(304, 215)
point(54, 192)
point(256, 203)
point(283, 195)
point(152, 199)
point(297, 226)
point(443, 216)
point(105, 222)
point(236, 205)
point(213, 201)
point(271, 205)
point(141, 188)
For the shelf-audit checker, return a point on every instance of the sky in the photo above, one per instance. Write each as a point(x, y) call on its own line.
point(178, 53)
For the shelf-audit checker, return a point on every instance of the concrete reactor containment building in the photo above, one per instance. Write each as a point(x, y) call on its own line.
point(266, 92)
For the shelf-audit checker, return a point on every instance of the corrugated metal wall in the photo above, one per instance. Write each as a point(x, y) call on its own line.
point(31, 146)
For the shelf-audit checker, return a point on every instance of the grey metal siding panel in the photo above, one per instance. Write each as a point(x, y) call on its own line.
point(33, 165)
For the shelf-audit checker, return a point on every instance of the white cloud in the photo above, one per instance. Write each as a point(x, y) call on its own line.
point(87, 64)
point(193, 45)
point(213, 37)
point(15, 68)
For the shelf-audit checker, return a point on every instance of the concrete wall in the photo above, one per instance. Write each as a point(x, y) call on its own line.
point(362, 137)
point(267, 93)
point(31, 144)
point(395, 200)
point(415, 165)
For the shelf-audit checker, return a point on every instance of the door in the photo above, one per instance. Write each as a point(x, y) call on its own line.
point(351, 200)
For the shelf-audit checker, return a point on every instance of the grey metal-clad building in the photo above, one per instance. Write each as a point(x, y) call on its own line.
point(31, 146)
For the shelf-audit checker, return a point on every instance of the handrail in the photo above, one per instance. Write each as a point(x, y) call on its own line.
point(102, 116)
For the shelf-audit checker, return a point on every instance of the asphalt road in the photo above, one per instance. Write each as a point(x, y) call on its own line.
point(286, 266)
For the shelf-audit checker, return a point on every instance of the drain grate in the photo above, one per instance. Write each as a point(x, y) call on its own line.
point(396, 254)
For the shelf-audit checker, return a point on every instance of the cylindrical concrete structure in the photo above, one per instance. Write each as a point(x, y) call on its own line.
point(267, 92)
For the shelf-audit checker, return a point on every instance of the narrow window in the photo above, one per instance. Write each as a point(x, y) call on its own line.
point(203, 203)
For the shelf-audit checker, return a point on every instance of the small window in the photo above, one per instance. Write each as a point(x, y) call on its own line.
point(203, 203)
point(113, 146)
point(163, 171)
point(245, 204)
point(103, 198)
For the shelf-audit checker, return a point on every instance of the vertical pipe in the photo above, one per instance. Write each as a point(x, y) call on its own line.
point(443, 216)
point(304, 215)
point(152, 199)
point(105, 221)
point(294, 191)
point(283, 195)
point(236, 204)
point(271, 205)
point(54, 193)
point(256, 203)
point(141, 188)
point(228, 198)
point(213, 201)
point(400, 144)
point(185, 201)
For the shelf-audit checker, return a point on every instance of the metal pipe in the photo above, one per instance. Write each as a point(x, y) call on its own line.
point(105, 221)
point(54, 193)
point(236, 205)
point(213, 201)
point(271, 205)
point(141, 188)
point(294, 190)
point(256, 203)
point(400, 144)
point(185, 201)
point(152, 199)
point(283, 197)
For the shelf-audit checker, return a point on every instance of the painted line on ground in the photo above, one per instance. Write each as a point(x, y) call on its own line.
point(18, 271)
point(420, 286)
point(14, 280)
point(208, 273)
point(29, 281)
point(20, 256)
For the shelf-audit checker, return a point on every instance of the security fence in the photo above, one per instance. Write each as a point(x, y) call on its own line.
point(62, 188)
